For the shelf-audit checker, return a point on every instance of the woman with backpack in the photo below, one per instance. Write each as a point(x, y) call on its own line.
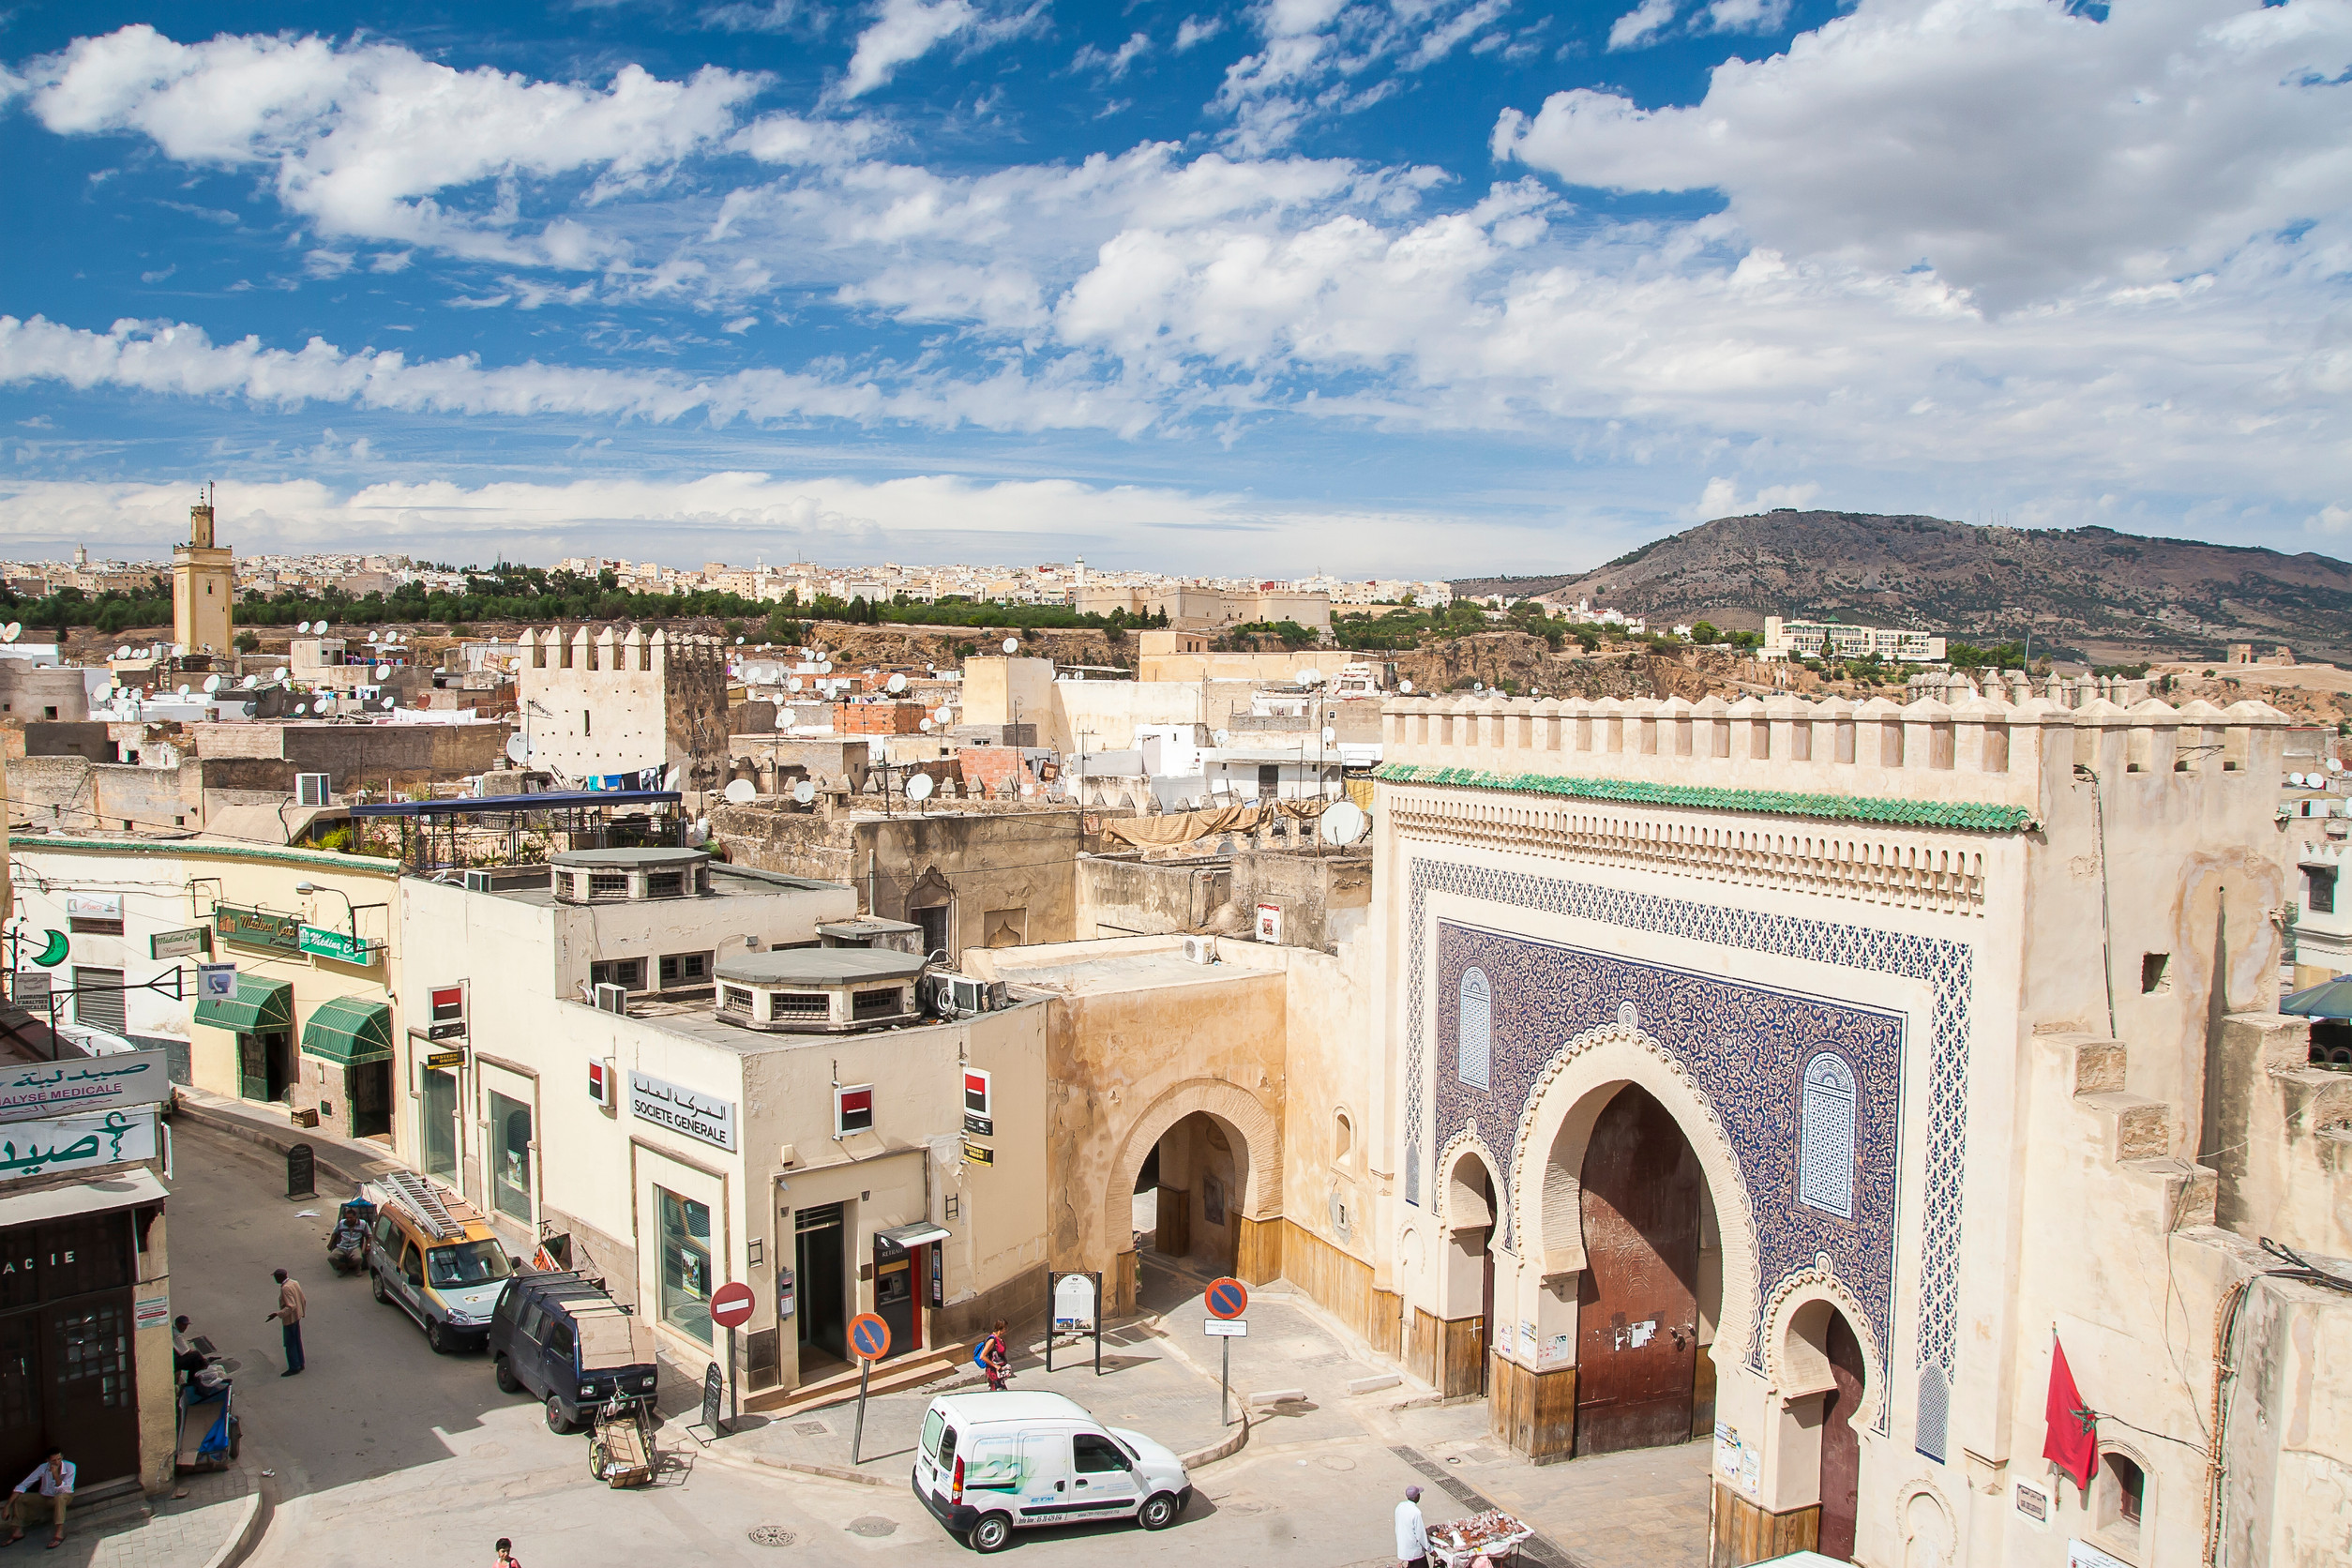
point(991, 1358)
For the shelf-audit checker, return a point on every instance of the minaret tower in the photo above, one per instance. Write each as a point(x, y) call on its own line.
point(204, 586)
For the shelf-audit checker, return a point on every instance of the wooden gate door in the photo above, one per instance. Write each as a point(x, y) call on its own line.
point(1636, 1305)
point(1841, 1445)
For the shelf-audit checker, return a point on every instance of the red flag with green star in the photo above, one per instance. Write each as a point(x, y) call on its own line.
point(2072, 1439)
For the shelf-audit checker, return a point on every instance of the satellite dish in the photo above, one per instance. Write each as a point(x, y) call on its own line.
point(824, 667)
point(897, 683)
point(123, 652)
point(281, 673)
point(738, 642)
point(1477, 686)
point(803, 792)
point(518, 750)
point(301, 709)
point(742, 792)
point(924, 725)
point(1406, 687)
point(183, 688)
point(1331, 736)
point(944, 713)
point(1307, 677)
point(11, 632)
point(384, 672)
point(1343, 822)
point(1220, 737)
point(930, 669)
point(1012, 644)
point(919, 787)
point(320, 629)
point(372, 637)
point(212, 683)
point(792, 683)
point(2295, 779)
point(303, 626)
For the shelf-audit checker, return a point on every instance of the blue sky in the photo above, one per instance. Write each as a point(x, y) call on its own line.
point(1434, 287)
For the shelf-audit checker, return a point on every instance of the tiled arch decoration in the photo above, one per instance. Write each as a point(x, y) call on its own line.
point(1944, 966)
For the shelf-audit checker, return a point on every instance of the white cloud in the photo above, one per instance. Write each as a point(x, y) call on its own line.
point(1641, 24)
point(903, 31)
point(1721, 499)
point(1319, 58)
point(1747, 16)
point(361, 137)
point(1112, 63)
point(2017, 146)
point(690, 520)
point(1197, 30)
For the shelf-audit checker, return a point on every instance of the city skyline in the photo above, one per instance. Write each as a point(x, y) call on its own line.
point(1414, 289)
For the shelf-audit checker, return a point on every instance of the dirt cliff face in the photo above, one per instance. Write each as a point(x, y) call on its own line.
point(2115, 597)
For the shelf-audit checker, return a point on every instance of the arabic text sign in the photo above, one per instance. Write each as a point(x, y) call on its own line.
point(684, 1110)
point(137, 1078)
point(47, 1145)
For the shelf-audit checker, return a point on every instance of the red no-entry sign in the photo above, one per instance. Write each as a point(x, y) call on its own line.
point(730, 1308)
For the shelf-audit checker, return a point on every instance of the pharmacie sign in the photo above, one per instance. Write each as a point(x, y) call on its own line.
point(47, 1145)
point(683, 1110)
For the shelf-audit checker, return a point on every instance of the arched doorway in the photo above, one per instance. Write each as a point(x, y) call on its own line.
point(1841, 1443)
point(1637, 1318)
point(1193, 1186)
point(1470, 1262)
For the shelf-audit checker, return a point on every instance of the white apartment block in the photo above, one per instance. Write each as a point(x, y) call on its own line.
point(1829, 639)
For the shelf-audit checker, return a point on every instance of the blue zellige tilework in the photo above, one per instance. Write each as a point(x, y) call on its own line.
point(1945, 966)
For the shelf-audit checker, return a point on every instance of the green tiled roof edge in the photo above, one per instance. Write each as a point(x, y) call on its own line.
point(1976, 816)
point(191, 845)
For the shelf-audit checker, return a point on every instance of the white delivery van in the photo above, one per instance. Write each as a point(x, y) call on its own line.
point(990, 1462)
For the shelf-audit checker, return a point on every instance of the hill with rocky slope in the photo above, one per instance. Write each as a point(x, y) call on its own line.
point(2112, 598)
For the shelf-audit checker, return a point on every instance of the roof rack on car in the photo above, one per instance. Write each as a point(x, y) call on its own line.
point(424, 1204)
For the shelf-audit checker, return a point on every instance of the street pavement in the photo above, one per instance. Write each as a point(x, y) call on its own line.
point(384, 1442)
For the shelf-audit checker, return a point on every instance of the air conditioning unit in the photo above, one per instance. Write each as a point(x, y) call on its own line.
point(612, 999)
point(480, 882)
point(1200, 950)
point(310, 788)
point(957, 994)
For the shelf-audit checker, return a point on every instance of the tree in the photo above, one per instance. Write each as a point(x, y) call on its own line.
point(1705, 632)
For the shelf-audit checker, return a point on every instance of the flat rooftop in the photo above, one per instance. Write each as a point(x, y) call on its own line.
point(727, 881)
point(1087, 975)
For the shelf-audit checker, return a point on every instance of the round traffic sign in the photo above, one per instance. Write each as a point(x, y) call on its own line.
point(1227, 1298)
point(869, 1337)
point(731, 1308)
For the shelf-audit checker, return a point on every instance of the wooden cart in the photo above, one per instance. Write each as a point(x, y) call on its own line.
point(621, 1445)
point(1458, 1543)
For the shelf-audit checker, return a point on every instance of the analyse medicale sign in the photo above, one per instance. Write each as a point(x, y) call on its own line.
point(127, 1079)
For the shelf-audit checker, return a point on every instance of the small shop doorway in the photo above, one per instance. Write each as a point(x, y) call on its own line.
point(821, 1240)
point(265, 1066)
point(67, 1376)
point(369, 1088)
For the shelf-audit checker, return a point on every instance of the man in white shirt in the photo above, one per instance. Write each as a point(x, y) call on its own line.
point(1413, 1536)
point(55, 1481)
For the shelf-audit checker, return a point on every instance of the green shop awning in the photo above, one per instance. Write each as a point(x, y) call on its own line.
point(349, 1031)
point(259, 1007)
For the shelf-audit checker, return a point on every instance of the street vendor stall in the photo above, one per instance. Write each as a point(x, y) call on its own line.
point(1459, 1542)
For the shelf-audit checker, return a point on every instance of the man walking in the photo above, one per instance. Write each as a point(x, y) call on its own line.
point(54, 1482)
point(1412, 1534)
point(291, 1308)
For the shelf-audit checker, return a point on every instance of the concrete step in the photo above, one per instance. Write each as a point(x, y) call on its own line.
point(2134, 1127)
point(2098, 1065)
point(112, 1506)
point(890, 1378)
point(2185, 1194)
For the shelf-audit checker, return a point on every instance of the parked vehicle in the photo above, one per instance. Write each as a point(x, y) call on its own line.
point(559, 1336)
point(434, 1257)
point(988, 1463)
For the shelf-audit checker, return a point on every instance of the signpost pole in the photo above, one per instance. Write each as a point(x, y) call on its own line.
point(734, 1411)
point(1053, 1286)
point(857, 1435)
point(1099, 1324)
point(1225, 1385)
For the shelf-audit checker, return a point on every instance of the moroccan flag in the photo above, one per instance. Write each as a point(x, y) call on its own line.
point(2072, 1439)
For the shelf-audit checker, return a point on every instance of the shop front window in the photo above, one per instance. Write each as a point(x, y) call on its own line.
point(685, 1265)
point(440, 1127)
point(510, 1151)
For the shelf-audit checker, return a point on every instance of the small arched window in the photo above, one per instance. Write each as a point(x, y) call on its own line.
point(1825, 1137)
point(1343, 1138)
point(1474, 1050)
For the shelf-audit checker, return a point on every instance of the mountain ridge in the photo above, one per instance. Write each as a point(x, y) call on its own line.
point(2109, 595)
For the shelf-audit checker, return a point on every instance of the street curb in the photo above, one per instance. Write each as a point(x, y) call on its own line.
point(1225, 1448)
point(757, 1462)
point(267, 1138)
point(249, 1533)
